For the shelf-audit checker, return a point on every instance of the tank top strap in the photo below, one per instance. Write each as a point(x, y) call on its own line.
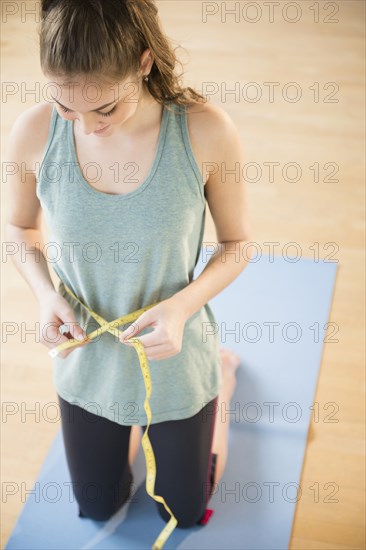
point(179, 148)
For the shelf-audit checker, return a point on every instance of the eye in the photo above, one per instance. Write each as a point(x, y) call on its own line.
point(65, 110)
point(109, 112)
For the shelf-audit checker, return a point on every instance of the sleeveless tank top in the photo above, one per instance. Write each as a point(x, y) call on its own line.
point(118, 253)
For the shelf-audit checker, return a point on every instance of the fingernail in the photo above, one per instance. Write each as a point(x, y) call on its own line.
point(80, 337)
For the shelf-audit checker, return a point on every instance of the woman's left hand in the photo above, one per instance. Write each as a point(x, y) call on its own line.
point(166, 338)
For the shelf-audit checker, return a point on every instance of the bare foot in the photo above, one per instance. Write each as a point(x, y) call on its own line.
point(229, 364)
point(135, 439)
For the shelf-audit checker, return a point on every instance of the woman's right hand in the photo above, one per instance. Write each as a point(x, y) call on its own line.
point(54, 312)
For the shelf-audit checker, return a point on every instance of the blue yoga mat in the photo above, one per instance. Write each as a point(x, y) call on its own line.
point(274, 315)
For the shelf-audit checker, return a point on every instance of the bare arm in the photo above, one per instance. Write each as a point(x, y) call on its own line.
point(24, 238)
point(29, 259)
point(226, 197)
point(24, 241)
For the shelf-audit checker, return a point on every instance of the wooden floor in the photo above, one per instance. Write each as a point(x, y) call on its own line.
point(323, 133)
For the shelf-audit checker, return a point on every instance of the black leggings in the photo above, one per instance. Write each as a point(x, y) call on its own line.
point(97, 456)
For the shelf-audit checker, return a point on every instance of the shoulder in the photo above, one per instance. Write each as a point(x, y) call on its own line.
point(29, 132)
point(212, 126)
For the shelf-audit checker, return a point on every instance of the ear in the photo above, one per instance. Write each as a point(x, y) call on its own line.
point(146, 61)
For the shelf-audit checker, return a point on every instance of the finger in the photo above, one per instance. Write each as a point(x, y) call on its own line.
point(131, 331)
point(60, 339)
point(51, 334)
point(54, 337)
point(157, 352)
point(153, 338)
point(145, 320)
point(66, 352)
point(75, 329)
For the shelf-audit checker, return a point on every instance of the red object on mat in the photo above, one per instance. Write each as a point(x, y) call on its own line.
point(206, 516)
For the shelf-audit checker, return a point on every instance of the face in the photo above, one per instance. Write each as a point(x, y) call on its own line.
point(99, 109)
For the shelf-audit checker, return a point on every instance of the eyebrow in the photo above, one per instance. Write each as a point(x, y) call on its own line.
point(93, 110)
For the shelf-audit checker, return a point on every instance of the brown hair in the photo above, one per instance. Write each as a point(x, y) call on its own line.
point(105, 39)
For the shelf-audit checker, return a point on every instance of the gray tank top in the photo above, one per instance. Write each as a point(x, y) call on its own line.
point(119, 253)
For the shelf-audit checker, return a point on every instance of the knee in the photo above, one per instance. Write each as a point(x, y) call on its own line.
point(186, 518)
point(102, 509)
point(97, 513)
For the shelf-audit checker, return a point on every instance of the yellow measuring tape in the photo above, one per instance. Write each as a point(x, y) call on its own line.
point(110, 326)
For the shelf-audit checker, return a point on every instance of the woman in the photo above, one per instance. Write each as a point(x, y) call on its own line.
point(121, 160)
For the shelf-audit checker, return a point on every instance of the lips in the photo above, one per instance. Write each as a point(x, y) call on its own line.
point(100, 131)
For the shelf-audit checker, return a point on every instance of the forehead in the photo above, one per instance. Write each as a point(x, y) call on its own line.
point(83, 84)
point(92, 91)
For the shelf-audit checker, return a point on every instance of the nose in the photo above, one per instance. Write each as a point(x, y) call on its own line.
point(88, 125)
